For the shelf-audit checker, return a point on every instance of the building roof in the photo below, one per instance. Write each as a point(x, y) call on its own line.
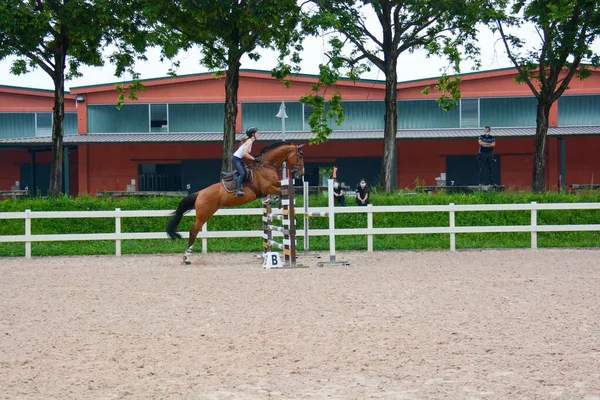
point(31, 91)
point(185, 138)
point(261, 74)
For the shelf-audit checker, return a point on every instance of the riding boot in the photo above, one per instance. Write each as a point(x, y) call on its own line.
point(239, 182)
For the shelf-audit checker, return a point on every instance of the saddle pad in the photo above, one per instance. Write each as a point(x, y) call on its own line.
point(229, 184)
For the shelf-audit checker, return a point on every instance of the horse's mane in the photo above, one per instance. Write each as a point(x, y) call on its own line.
point(272, 147)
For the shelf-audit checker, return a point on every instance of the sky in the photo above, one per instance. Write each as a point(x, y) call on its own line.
point(410, 66)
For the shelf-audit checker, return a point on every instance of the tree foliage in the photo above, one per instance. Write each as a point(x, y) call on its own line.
point(59, 37)
point(225, 31)
point(566, 30)
point(440, 27)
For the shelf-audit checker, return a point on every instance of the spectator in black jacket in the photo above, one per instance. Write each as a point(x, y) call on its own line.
point(362, 193)
point(487, 142)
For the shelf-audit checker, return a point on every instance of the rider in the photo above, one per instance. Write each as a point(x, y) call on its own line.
point(243, 152)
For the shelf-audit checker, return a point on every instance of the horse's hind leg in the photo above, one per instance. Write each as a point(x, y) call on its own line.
point(193, 234)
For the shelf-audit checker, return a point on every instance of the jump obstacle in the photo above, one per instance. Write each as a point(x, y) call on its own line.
point(288, 228)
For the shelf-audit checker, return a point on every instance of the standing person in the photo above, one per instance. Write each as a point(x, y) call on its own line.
point(487, 142)
point(338, 194)
point(362, 193)
point(243, 152)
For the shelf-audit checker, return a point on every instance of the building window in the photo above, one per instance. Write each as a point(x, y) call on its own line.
point(43, 124)
point(159, 117)
point(469, 113)
point(307, 112)
point(159, 177)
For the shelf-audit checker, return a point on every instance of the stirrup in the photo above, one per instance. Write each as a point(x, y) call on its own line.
point(240, 193)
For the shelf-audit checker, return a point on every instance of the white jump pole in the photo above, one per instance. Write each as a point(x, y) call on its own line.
point(331, 220)
point(306, 218)
point(331, 215)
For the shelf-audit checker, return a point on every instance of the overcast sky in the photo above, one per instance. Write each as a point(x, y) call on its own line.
point(410, 66)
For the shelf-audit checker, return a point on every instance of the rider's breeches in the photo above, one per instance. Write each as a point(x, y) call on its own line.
point(239, 167)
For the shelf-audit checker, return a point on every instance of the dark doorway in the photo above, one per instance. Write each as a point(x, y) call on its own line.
point(464, 170)
point(199, 174)
point(352, 170)
point(42, 179)
point(159, 177)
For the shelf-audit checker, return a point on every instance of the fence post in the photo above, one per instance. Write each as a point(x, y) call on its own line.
point(534, 225)
point(117, 232)
point(452, 226)
point(27, 233)
point(204, 239)
point(369, 227)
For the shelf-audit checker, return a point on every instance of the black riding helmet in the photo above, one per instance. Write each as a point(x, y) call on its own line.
point(251, 131)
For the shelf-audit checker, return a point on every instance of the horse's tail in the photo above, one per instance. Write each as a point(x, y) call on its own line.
point(184, 206)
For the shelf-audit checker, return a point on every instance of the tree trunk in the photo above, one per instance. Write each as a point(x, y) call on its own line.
point(538, 182)
point(58, 117)
point(232, 82)
point(388, 164)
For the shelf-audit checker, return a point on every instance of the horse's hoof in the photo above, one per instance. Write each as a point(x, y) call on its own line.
point(186, 260)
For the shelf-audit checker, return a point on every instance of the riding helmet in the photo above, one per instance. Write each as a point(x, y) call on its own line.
point(251, 131)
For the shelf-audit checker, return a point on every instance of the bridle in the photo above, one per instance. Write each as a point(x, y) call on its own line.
point(278, 168)
point(299, 161)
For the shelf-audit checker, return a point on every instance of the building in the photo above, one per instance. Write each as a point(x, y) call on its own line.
point(170, 138)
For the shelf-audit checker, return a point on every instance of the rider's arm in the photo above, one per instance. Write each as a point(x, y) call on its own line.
point(247, 155)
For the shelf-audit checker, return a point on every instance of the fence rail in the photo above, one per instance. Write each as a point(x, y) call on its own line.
point(369, 231)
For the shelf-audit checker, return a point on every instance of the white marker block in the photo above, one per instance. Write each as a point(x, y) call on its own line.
point(272, 260)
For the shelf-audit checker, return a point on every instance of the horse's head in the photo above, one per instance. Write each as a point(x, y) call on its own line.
point(280, 152)
point(297, 166)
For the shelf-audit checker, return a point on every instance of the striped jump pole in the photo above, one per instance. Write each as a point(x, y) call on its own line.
point(288, 222)
point(288, 228)
point(267, 233)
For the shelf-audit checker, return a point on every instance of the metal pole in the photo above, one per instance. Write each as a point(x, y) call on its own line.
point(282, 114)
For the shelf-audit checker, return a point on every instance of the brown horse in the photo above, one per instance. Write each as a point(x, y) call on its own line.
point(266, 181)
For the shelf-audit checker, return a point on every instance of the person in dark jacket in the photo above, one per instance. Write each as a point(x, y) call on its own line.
point(362, 193)
point(487, 142)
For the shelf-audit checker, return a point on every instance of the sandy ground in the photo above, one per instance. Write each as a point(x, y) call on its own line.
point(395, 325)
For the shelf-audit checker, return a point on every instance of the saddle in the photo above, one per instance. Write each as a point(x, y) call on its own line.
point(228, 179)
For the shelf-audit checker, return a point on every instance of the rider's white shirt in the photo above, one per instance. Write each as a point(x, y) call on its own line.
point(239, 153)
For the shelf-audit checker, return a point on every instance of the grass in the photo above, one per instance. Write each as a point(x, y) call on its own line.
point(342, 221)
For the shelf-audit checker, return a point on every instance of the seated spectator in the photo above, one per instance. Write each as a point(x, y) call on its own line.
point(362, 193)
point(338, 194)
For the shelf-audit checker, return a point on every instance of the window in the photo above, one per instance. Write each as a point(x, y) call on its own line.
point(159, 118)
point(43, 124)
point(469, 113)
point(308, 110)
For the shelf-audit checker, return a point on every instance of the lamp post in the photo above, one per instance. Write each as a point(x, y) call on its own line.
point(282, 114)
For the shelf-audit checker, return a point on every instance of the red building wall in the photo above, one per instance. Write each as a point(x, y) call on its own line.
point(13, 159)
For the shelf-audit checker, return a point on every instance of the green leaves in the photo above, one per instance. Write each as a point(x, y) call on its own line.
point(566, 30)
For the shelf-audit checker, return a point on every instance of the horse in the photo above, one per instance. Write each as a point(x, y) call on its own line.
point(265, 181)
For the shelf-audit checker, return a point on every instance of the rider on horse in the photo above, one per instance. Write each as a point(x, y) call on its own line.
point(243, 152)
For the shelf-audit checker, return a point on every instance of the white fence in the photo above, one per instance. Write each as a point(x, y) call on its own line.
point(369, 231)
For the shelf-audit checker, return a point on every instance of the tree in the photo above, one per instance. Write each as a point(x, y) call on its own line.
point(443, 27)
point(225, 31)
point(566, 31)
point(59, 37)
